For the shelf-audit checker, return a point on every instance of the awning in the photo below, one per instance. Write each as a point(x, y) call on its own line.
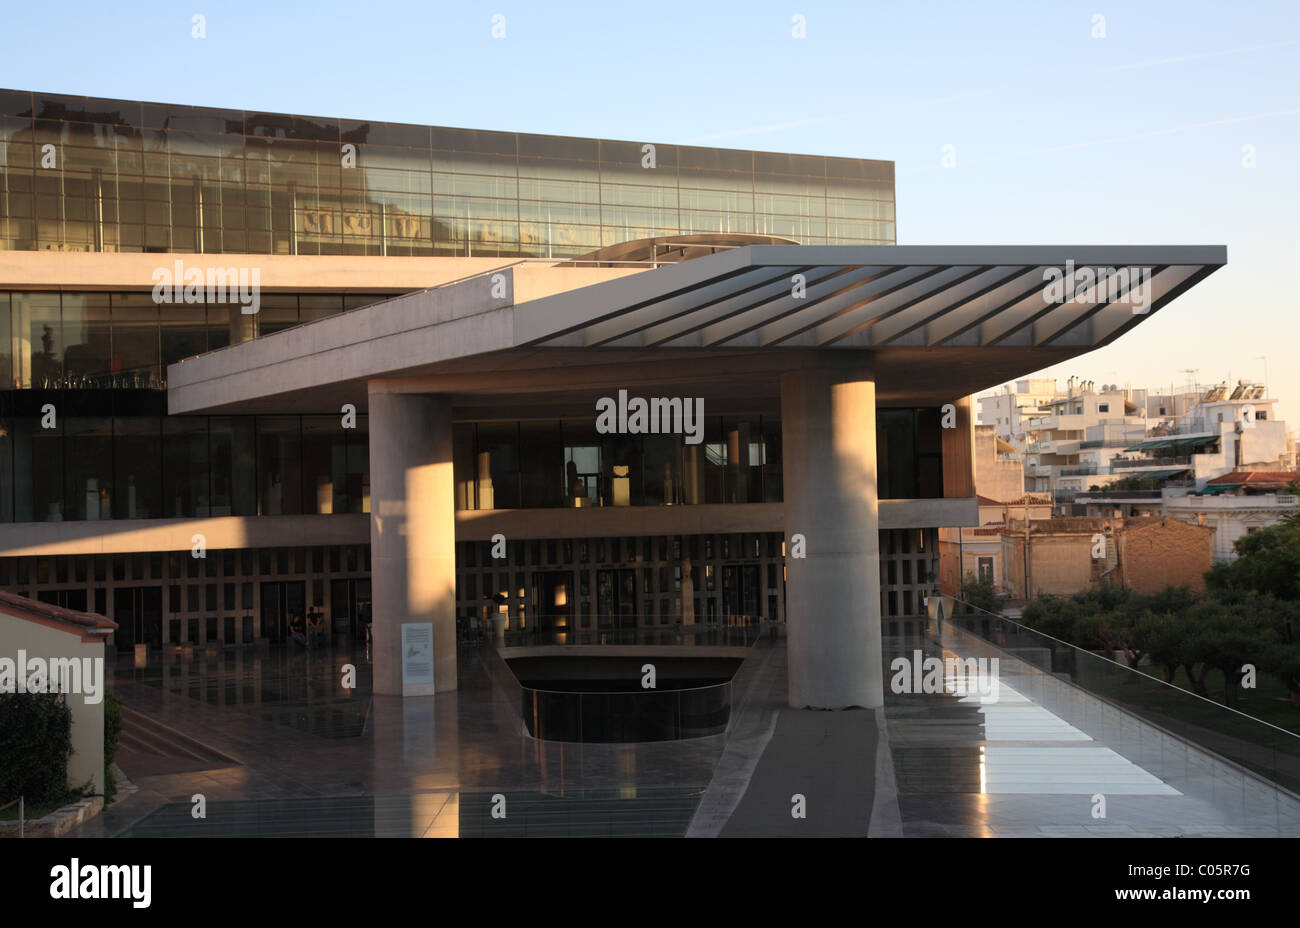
point(1180, 445)
point(1151, 445)
point(1158, 474)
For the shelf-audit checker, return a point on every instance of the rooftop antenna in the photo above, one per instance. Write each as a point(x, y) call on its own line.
point(1193, 374)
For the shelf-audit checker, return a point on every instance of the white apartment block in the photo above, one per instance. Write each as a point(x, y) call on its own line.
point(1008, 409)
point(1089, 438)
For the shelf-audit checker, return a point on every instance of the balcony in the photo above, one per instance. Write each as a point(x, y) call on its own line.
point(1122, 462)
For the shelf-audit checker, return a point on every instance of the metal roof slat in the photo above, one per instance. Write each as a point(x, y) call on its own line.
point(840, 283)
point(1093, 308)
point(739, 304)
point(1191, 275)
point(795, 324)
point(857, 322)
point(982, 289)
point(658, 312)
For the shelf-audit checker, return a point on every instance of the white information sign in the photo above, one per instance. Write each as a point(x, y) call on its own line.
point(417, 659)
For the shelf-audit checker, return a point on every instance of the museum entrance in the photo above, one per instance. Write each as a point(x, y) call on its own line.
point(349, 609)
point(281, 600)
point(553, 596)
point(740, 591)
point(616, 598)
point(137, 610)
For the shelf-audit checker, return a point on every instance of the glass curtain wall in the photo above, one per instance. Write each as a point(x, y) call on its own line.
point(549, 463)
point(102, 459)
point(85, 174)
point(98, 341)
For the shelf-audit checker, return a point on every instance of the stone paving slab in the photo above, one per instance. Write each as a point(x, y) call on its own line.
point(828, 758)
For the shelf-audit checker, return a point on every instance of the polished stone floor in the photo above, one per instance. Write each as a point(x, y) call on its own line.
point(1033, 756)
point(306, 744)
point(1027, 756)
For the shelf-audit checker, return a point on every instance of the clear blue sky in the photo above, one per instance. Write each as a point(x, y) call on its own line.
point(1059, 137)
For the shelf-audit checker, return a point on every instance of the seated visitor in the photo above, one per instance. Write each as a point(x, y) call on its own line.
point(298, 629)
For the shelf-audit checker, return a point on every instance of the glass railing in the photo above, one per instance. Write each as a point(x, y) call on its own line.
point(623, 716)
point(630, 716)
point(1193, 743)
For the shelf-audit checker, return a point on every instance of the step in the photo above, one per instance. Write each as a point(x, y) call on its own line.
point(168, 740)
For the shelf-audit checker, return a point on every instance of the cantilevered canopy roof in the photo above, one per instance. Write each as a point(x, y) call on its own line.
point(939, 323)
point(876, 296)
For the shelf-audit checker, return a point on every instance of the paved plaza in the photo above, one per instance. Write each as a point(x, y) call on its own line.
point(278, 747)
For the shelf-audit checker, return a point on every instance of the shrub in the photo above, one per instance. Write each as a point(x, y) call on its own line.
point(112, 730)
point(35, 744)
point(1054, 616)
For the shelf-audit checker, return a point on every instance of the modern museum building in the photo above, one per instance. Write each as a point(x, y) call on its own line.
point(429, 380)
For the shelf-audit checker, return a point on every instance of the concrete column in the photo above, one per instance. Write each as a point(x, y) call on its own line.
point(412, 532)
point(828, 421)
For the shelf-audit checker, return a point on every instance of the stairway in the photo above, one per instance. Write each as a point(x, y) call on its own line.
point(147, 747)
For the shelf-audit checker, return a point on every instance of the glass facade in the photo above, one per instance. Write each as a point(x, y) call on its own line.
point(567, 463)
point(89, 340)
point(115, 454)
point(229, 598)
point(85, 174)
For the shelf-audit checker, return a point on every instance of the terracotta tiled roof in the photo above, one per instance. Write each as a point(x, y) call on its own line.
point(25, 608)
point(1259, 479)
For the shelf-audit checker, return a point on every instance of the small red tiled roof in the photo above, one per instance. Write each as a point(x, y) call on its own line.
point(988, 500)
point(1259, 479)
point(32, 609)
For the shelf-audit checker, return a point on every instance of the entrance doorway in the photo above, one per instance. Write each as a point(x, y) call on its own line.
point(616, 598)
point(740, 590)
point(280, 601)
point(553, 598)
point(137, 610)
point(349, 609)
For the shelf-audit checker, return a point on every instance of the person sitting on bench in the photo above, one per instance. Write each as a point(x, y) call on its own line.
point(298, 630)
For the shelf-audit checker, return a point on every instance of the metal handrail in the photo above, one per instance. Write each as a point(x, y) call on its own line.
point(1031, 631)
point(22, 811)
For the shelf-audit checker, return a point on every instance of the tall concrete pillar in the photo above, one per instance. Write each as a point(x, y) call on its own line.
point(412, 534)
point(828, 421)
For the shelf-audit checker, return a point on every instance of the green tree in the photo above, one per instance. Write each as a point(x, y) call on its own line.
point(1267, 561)
point(981, 594)
point(1054, 616)
point(1163, 638)
point(1230, 638)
